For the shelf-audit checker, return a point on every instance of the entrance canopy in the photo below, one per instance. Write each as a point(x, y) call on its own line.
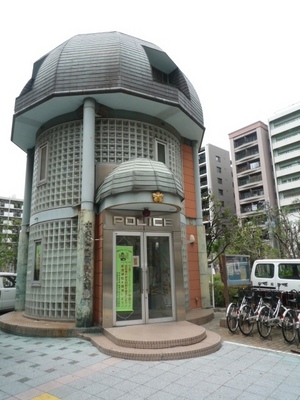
point(131, 186)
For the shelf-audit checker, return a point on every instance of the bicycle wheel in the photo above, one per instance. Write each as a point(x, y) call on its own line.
point(232, 317)
point(246, 320)
point(263, 326)
point(297, 327)
point(289, 326)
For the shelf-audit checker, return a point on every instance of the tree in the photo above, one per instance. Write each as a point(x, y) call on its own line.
point(227, 234)
point(9, 246)
point(250, 239)
point(286, 232)
point(219, 229)
point(272, 233)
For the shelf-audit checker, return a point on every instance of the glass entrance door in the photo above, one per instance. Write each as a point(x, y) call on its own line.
point(143, 287)
point(158, 277)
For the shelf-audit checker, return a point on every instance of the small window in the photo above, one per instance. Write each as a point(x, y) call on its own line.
point(218, 158)
point(160, 76)
point(221, 192)
point(161, 151)
point(220, 181)
point(43, 157)
point(37, 261)
point(219, 170)
point(201, 158)
point(264, 271)
point(202, 170)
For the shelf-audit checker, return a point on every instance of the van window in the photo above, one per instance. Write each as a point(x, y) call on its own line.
point(264, 271)
point(289, 271)
point(9, 282)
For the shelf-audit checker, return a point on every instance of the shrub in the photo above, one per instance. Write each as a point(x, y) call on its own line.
point(219, 292)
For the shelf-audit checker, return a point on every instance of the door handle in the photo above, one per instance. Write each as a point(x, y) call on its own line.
point(141, 280)
point(147, 280)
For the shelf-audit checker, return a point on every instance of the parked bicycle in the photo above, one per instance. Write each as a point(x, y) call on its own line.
point(290, 321)
point(233, 309)
point(269, 316)
point(249, 312)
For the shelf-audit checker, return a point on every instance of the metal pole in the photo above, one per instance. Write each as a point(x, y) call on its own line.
point(212, 286)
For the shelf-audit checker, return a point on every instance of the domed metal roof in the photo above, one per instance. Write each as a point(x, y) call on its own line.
point(140, 175)
point(120, 72)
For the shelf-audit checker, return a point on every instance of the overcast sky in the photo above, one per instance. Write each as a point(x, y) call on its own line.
point(241, 56)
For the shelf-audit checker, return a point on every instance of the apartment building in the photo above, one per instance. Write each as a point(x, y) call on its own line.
point(253, 178)
point(11, 212)
point(215, 178)
point(284, 131)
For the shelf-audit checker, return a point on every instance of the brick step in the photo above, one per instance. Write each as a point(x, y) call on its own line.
point(156, 336)
point(154, 342)
point(209, 345)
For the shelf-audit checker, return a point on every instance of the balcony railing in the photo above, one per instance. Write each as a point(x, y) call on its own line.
point(245, 140)
point(250, 179)
point(247, 195)
point(246, 153)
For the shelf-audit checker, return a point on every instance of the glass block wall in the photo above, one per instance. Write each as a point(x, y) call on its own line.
point(54, 295)
point(119, 140)
point(116, 141)
point(63, 182)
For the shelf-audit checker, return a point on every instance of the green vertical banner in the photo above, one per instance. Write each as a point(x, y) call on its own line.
point(124, 278)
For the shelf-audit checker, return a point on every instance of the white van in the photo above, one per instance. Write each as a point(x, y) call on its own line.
point(283, 275)
point(7, 291)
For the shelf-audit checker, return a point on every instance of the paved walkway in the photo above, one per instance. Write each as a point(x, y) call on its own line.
point(71, 368)
point(274, 342)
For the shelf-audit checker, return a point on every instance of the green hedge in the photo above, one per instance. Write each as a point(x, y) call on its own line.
point(219, 291)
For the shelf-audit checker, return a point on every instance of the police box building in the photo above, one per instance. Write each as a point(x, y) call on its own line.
point(112, 232)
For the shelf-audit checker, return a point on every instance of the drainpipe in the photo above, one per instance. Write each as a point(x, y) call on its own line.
point(86, 221)
point(24, 236)
point(202, 253)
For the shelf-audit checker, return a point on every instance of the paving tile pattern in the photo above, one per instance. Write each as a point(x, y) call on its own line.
point(72, 368)
point(161, 341)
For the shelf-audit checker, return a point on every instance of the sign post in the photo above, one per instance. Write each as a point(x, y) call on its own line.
point(223, 270)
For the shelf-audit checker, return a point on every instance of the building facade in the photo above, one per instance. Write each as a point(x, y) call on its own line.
point(11, 212)
point(284, 130)
point(215, 178)
point(112, 231)
point(252, 170)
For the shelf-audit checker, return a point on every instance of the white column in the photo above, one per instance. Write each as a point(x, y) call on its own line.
point(88, 156)
point(86, 221)
point(24, 236)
